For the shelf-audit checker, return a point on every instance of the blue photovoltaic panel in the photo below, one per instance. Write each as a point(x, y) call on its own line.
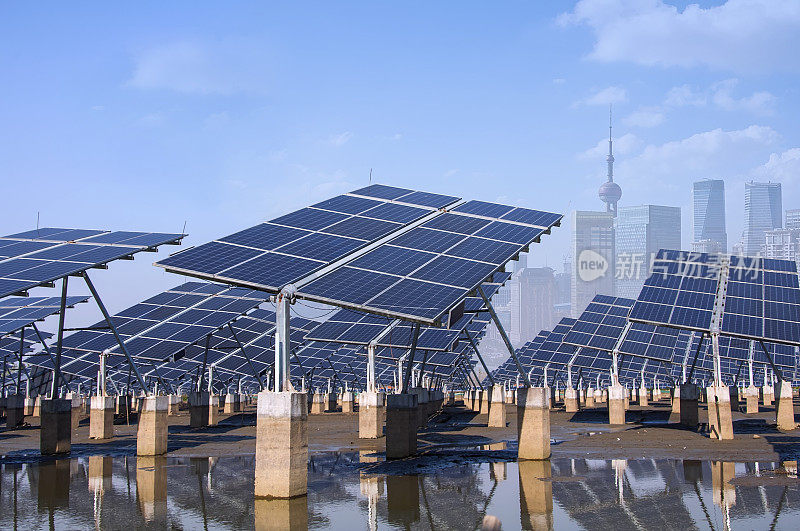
point(650, 341)
point(600, 326)
point(38, 257)
point(19, 312)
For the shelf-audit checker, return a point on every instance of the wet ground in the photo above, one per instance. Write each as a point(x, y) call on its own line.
point(647, 474)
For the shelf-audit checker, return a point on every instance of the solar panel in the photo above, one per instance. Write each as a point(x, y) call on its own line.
point(19, 312)
point(34, 258)
point(601, 324)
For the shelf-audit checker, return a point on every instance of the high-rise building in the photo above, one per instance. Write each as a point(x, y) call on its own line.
point(593, 257)
point(537, 289)
point(640, 231)
point(710, 235)
point(784, 243)
point(763, 211)
point(793, 218)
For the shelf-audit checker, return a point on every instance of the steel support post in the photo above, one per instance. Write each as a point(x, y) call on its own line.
point(503, 334)
point(282, 340)
point(60, 340)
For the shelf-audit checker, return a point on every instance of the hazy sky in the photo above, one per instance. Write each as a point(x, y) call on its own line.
point(146, 116)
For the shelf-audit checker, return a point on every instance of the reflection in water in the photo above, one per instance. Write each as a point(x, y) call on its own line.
point(353, 490)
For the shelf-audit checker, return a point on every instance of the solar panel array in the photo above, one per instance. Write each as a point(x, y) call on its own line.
point(18, 312)
point(761, 296)
point(38, 257)
point(424, 260)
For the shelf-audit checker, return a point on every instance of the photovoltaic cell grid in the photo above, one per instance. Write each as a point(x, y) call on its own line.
point(418, 275)
point(19, 312)
point(601, 324)
point(38, 257)
point(762, 298)
point(553, 350)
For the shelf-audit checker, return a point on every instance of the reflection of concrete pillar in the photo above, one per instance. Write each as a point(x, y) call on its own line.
point(751, 397)
point(689, 394)
point(53, 484)
point(719, 412)
point(281, 445)
point(402, 497)
point(401, 426)
point(100, 473)
point(692, 471)
point(371, 412)
point(291, 514)
point(535, 494)
point(616, 404)
point(347, 402)
point(571, 400)
point(151, 435)
point(533, 423)
point(372, 488)
point(198, 409)
point(101, 417)
point(497, 411)
point(15, 411)
point(56, 432)
point(721, 475)
point(784, 410)
point(151, 487)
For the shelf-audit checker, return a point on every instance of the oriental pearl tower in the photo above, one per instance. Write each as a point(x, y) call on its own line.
point(610, 192)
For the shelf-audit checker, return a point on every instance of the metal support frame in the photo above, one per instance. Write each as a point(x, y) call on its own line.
point(113, 328)
point(477, 353)
point(615, 353)
point(246, 356)
point(696, 354)
point(771, 361)
point(750, 352)
point(410, 363)
point(282, 339)
point(569, 366)
point(201, 374)
point(60, 340)
point(503, 334)
point(686, 352)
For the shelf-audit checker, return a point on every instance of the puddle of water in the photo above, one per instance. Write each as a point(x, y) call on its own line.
point(359, 490)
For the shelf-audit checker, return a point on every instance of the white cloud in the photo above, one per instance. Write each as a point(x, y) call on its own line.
point(217, 67)
point(684, 96)
point(738, 35)
point(782, 167)
point(340, 139)
point(605, 96)
point(721, 95)
point(624, 145)
point(644, 117)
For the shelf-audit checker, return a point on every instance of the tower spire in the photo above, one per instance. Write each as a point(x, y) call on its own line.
point(610, 192)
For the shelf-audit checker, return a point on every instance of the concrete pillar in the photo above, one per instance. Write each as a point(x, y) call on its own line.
point(476, 400)
point(719, 413)
point(643, 396)
point(151, 436)
point(590, 397)
point(317, 404)
point(497, 412)
point(56, 435)
point(535, 495)
point(751, 397)
point(598, 396)
point(101, 417)
point(77, 411)
point(15, 411)
point(571, 400)
point(676, 399)
point(533, 423)
point(401, 426)
point(604, 396)
point(581, 398)
point(486, 401)
point(347, 402)
point(689, 394)
point(37, 407)
point(616, 404)
point(123, 405)
point(371, 412)
point(213, 410)
point(734, 398)
point(273, 514)
point(198, 409)
point(766, 395)
point(174, 405)
point(330, 401)
point(510, 398)
point(151, 487)
point(281, 445)
point(30, 404)
point(784, 410)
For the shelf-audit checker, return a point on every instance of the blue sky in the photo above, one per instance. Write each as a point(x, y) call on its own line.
point(224, 115)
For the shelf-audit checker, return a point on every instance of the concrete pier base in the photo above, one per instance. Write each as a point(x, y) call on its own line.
point(423, 406)
point(616, 404)
point(77, 411)
point(232, 403)
point(15, 411)
point(151, 436)
point(486, 401)
point(751, 399)
point(643, 396)
point(766, 395)
point(688, 395)
point(734, 398)
point(720, 422)
point(533, 423)
point(401, 426)
point(371, 413)
point(124, 405)
point(174, 405)
point(213, 410)
point(30, 404)
point(571, 401)
point(675, 393)
point(784, 411)
point(348, 402)
point(37, 407)
point(590, 397)
point(101, 417)
point(274, 514)
point(317, 404)
point(151, 488)
point(281, 445)
point(198, 409)
point(330, 402)
point(497, 412)
point(476, 400)
point(56, 432)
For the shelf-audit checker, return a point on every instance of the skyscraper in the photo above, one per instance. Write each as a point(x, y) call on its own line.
point(640, 231)
point(537, 296)
point(784, 243)
point(763, 211)
point(709, 216)
point(610, 192)
point(593, 257)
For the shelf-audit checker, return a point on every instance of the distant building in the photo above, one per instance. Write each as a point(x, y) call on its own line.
point(710, 235)
point(640, 231)
point(784, 243)
point(793, 219)
point(537, 301)
point(763, 211)
point(593, 257)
